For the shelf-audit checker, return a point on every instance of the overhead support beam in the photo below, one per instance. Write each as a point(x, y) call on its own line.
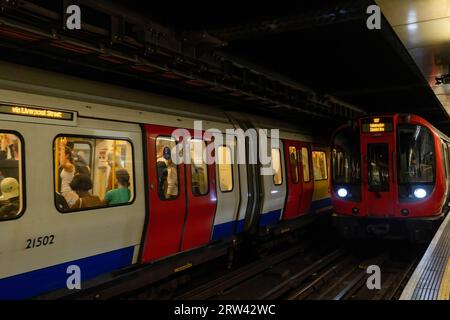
point(131, 43)
point(344, 11)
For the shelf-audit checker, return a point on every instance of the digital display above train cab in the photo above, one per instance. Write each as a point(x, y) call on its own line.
point(376, 125)
point(37, 114)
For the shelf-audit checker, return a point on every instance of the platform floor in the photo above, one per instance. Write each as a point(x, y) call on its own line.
point(431, 279)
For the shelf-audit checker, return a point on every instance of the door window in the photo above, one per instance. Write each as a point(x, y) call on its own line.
point(293, 158)
point(167, 170)
point(305, 163)
point(378, 166)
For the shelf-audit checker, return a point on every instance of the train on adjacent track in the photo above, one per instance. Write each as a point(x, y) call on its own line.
point(390, 177)
point(88, 180)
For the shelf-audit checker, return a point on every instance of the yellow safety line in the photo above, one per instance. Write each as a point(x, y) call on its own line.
point(444, 290)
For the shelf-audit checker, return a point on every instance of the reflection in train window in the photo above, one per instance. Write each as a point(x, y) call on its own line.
point(199, 169)
point(11, 195)
point(346, 158)
point(276, 167)
point(224, 161)
point(319, 165)
point(378, 167)
point(92, 172)
point(416, 158)
point(293, 158)
point(305, 163)
point(167, 170)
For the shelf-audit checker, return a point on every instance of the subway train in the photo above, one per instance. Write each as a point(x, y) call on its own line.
point(390, 178)
point(90, 177)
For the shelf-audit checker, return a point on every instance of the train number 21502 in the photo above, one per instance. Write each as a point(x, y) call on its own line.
point(40, 241)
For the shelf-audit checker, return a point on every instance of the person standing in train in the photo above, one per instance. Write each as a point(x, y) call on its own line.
point(67, 173)
point(169, 174)
point(10, 198)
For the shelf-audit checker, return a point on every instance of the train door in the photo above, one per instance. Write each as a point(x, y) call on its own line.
point(182, 196)
point(294, 181)
point(274, 186)
point(167, 197)
point(226, 222)
point(201, 197)
point(307, 177)
point(379, 176)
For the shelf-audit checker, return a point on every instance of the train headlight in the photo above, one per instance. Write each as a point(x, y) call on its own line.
point(420, 193)
point(342, 192)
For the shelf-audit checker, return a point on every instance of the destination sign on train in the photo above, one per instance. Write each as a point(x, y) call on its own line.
point(37, 112)
point(375, 125)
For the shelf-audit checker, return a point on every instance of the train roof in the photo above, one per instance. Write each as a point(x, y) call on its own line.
point(99, 100)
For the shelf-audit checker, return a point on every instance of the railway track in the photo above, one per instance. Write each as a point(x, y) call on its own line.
point(347, 278)
point(332, 274)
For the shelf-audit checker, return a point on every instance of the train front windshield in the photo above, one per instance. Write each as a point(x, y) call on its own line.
point(346, 161)
point(416, 159)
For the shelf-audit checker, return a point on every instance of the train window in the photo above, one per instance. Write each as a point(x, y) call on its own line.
point(448, 157)
point(276, 167)
point(319, 165)
point(445, 157)
point(378, 166)
point(293, 158)
point(305, 163)
point(92, 172)
point(199, 169)
point(225, 169)
point(416, 157)
point(167, 170)
point(11, 181)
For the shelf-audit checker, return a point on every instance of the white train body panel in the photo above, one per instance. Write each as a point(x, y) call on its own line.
point(274, 195)
point(75, 235)
point(225, 222)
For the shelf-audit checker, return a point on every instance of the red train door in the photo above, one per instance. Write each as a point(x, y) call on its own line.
point(182, 198)
point(167, 204)
point(300, 185)
point(201, 198)
point(378, 175)
point(306, 169)
point(294, 185)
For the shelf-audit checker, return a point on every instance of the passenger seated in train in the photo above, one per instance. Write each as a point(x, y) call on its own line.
point(167, 175)
point(122, 193)
point(81, 184)
point(10, 198)
point(67, 172)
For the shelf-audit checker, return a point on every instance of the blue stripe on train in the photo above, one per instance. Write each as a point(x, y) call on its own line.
point(270, 218)
point(227, 229)
point(33, 283)
point(318, 204)
point(39, 281)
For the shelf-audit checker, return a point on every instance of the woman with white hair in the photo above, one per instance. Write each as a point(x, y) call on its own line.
point(10, 198)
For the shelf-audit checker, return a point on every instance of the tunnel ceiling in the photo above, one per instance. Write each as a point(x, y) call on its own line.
point(296, 61)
